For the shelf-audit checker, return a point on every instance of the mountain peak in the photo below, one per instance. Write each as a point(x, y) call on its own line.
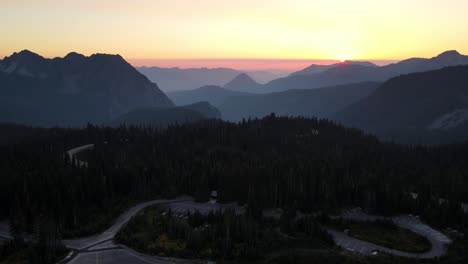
point(25, 63)
point(25, 55)
point(361, 63)
point(451, 57)
point(449, 53)
point(242, 82)
point(242, 79)
point(108, 59)
point(73, 55)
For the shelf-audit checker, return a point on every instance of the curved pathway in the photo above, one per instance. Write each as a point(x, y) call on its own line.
point(438, 240)
point(101, 248)
point(72, 153)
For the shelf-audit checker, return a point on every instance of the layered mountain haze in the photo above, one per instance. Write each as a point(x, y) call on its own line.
point(323, 102)
point(73, 90)
point(215, 95)
point(317, 68)
point(344, 73)
point(163, 117)
point(177, 79)
point(433, 102)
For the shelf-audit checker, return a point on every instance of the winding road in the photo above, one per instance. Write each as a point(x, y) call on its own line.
point(72, 153)
point(438, 240)
point(101, 248)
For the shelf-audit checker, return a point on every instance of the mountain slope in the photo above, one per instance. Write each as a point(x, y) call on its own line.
point(351, 73)
point(215, 95)
point(243, 83)
point(434, 101)
point(316, 68)
point(163, 117)
point(72, 90)
point(321, 102)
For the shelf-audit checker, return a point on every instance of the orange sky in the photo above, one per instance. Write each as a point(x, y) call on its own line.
point(288, 31)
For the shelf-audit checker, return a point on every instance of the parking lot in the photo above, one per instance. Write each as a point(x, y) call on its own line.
point(181, 208)
point(115, 256)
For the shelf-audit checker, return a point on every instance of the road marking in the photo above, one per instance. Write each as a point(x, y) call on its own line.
point(138, 257)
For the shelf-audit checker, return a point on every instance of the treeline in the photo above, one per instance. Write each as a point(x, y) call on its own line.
point(271, 162)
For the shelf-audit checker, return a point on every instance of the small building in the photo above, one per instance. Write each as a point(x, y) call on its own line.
point(214, 197)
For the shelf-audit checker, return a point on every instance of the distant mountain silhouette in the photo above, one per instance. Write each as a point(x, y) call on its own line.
point(243, 83)
point(72, 90)
point(323, 102)
point(177, 79)
point(215, 95)
point(206, 109)
point(431, 103)
point(163, 117)
point(352, 73)
point(316, 68)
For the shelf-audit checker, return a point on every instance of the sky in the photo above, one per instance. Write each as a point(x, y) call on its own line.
point(241, 33)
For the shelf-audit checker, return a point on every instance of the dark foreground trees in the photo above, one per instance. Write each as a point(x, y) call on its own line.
point(274, 162)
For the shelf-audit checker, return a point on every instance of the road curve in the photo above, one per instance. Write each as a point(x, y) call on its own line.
point(87, 242)
point(101, 248)
point(438, 240)
point(72, 153)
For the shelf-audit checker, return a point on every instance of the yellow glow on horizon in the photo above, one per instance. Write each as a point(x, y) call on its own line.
point(344, 57)
point(225, 29)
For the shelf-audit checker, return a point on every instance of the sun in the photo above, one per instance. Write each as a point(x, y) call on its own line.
point(343, 58)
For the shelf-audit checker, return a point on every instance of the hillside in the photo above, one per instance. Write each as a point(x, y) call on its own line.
point(430, 102)
point(215, 95)
point(163, 117)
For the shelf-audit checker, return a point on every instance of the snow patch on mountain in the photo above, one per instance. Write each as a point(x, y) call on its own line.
point(8, 69)
point(450, 120)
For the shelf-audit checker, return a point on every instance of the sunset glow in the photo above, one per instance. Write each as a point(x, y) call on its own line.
point(245, 29)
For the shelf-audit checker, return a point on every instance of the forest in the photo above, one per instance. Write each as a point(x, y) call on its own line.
point(274, 162)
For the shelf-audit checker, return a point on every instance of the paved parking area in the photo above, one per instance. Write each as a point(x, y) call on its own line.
point(114, 256)
point(204, 208)
point(101, 248)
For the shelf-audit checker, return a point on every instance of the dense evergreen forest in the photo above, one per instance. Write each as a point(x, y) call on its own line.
point(219, 235)
point(262, 163)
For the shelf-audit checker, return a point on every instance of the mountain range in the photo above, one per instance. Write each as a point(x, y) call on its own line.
point(177, 79)
point(323, 102)
point(317, 68)
point(344, 73)
point(73, 90)
point(242, 84)
point(414, 98)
